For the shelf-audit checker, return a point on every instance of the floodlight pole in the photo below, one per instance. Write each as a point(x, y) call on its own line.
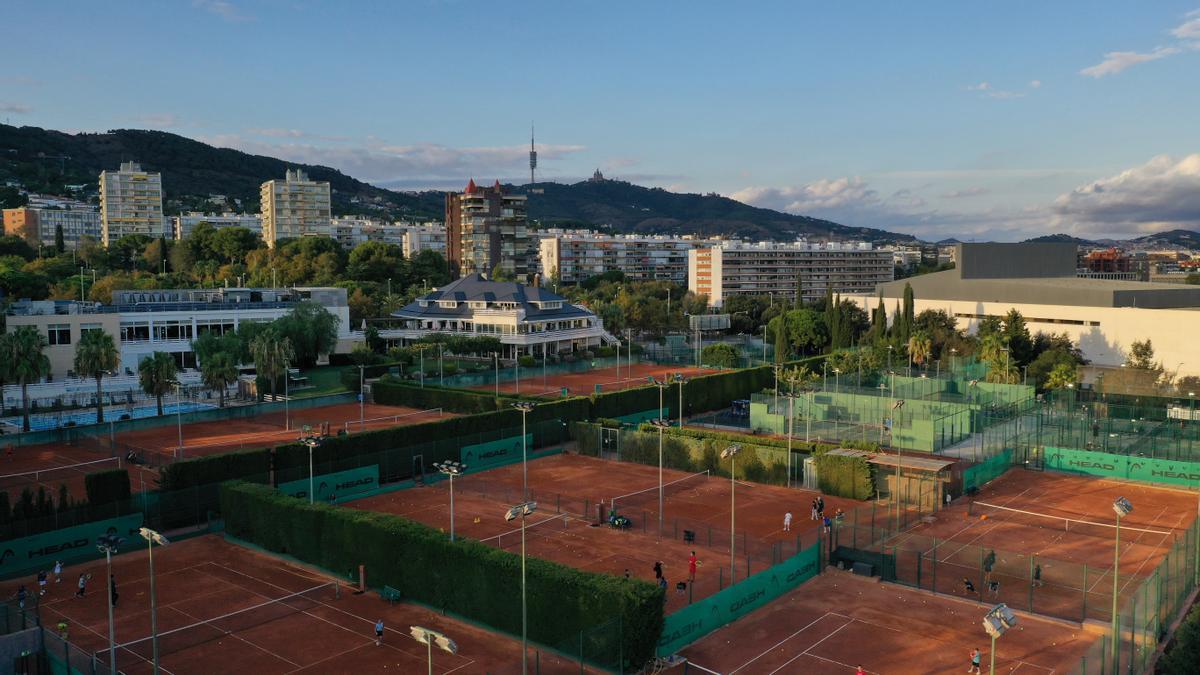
point(731, 452)
point(791, 425)
point(680, 381)
point(662, 424)
point(109, 544)
point(361, 393)
point(178, 419)
point(525, 407)
point(992, 668)
point(521, 511)
point(497, 357)
point(151, 538)
point(1116, 619)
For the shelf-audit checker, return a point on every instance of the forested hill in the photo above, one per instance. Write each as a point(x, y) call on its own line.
point(45, 160)
point(630, 208)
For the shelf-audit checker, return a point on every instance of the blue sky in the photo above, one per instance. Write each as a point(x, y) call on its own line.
point(967, 119)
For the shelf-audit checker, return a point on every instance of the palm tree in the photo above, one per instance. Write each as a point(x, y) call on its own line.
point(1063, 375)
point(218, 371)
point(272, 356)
point(24, 362)
point(96, 355)
point(920, 348)
point(156, 374)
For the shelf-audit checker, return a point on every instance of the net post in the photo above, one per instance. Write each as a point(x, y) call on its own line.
point(1084, 590)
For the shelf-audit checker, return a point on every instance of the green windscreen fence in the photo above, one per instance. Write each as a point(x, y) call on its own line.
point(39, 551)
point(974, 477)
point(1127, 467)
point(704, 616)
point(338, 486)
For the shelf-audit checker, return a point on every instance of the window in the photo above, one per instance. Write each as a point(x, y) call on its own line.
point(59, 333)
point(135, 331)
point(88, 327)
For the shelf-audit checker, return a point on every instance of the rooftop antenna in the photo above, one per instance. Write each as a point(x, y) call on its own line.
point(532, 155)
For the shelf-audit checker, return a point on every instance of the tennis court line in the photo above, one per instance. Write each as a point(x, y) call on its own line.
point(236, 636)
point(336, 609)
point(778, 644)
point(810, 647)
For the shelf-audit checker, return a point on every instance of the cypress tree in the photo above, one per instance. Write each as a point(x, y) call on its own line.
point(799, 303)
point(781, 341)
point(879, 321)
point(60, 244)
point(909, 318)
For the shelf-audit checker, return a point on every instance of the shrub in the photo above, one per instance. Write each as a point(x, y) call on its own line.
point(527, 361)
point(845, 476)
point(721, 355)
point(1183, 653)
point(105, 487)
point(465, 577)
point(253, 465)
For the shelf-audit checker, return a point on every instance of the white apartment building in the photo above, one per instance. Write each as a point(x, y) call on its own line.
point(295, 207)
point(146, 321)
point(183, 225)
point(423, 237)
point(130, 203)
point(39, 226)
point(770, 268)
point(576, 255)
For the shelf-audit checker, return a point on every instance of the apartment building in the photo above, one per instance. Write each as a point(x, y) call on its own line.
point(183, 225)
point(424, 237)
point(39, 226)
point(130, 203)
point(295, 207)
point(772, 269)
point(146, 321)
point(487, 230)
point(575, 255)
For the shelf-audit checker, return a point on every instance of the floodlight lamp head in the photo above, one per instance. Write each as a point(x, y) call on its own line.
point(731, 451)
point(524, 406)
point(1122, 507)
point(152, 536)
point(520, 511)
point(660, 423)
point(109, 543)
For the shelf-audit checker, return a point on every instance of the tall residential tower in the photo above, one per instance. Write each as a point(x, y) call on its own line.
point(295, 207)
point(130, 203)
point(487, 232)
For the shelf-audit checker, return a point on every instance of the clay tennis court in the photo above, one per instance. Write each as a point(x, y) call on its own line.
point(1053, 536)
point(311, 628)
point(837, 621)
point(584, 383)
point(51, 464)
point(568, 488)
point(210, 438)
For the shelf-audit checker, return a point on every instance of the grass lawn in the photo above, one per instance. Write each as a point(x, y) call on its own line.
point(324, 380)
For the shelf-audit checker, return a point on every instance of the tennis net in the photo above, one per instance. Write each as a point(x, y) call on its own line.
point(649, 496)
point(1075, 525)
point(547, 527)
point(179, 639)
point(389, 419)
point(59, 473)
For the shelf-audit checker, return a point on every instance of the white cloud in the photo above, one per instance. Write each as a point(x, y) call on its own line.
point(1163, 193)
point(278, 132)
point(819, 195)
point(159, 120)
point(222, 8)
point(975, 191)
point(1035, 84)
point(986, 89)
point(1115, 62)
point(412, 166)
point(982, 86)
point(15, 108)
point(1190, 29)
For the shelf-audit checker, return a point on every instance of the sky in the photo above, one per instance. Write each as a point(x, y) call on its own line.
point(981, 121)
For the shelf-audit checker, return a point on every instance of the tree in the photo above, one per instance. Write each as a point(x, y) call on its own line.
point(272, 355)
point(721, 355)
point(500, 274)
point(24, 362)
point(806, 330)
point(1062, 375)
point(218, 371)
point(157, 375)
point(1016, 337)
point(311, 329)
point(377, 261)
point(97, 355)
point(907, 318)
point(60, 244)
point(798, 302)
point(781, 339)
point(1141, 356)
point(920, 348)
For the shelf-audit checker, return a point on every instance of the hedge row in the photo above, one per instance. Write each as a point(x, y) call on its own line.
point(246, 464)
point(845, 476)
point(798, 445)
point(105, 487)
point(462, 401)
point(464, 577)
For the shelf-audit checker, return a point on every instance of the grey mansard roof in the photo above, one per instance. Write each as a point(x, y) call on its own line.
point(474, 287)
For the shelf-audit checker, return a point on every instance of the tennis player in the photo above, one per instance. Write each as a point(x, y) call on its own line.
point(787, 522)
point(379, 632)
point(692, 563)
point(83, 579)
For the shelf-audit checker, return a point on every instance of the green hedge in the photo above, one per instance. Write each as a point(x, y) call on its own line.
point(466, 577)
point(106, 487)
point(844, 476)
point(462, 401)
point(246, 464)
point(1183, 652)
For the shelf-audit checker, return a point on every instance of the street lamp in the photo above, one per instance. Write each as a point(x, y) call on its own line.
point(1122, 508)
point(680, 380)
point(311, 441)
point(895, 413)
point(837, 379)
point(525, 407)
point(451, 468)
point(997, 622)
point(522, 511)
point(661, 424)
point(109, 544)
point(730, 453)
point(153, 538)
point(429, 638)
point(662, 386)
